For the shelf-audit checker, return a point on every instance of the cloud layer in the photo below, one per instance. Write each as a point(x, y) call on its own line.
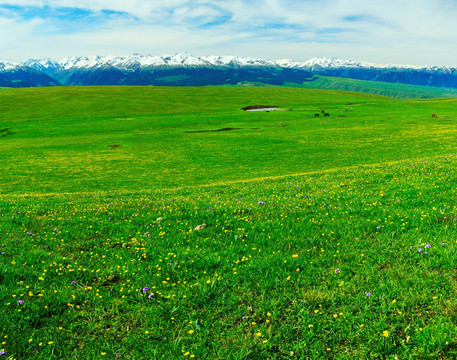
point(415, 32)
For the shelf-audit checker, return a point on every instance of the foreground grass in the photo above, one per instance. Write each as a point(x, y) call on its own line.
point(347, 264)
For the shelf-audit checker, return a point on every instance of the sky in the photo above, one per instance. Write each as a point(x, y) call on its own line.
point(415, 32)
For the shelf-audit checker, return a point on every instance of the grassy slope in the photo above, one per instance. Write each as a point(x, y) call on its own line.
point(61, 135)
point(395, 90)
point(284, 264)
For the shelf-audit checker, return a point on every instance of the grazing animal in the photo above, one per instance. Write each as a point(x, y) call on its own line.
point(326, 114)
point(316, 115)
point(433, 115)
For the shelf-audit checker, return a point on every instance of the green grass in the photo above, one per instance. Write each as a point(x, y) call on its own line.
point(301, 223)
point(395, 90)
point(62, 135)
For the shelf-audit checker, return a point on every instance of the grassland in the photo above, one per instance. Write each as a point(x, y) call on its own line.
point(324, 238)
point(395, 90)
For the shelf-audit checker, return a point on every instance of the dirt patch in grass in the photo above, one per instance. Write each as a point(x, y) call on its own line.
point(204, 131)
point(114, 146)
point(255, 107)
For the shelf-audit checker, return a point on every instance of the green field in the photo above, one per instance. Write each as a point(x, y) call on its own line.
point(324, 237)
point(395, 90)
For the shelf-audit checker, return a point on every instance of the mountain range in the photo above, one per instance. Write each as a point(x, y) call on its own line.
point(187, 70)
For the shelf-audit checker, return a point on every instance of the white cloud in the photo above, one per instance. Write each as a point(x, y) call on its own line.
point(416, 32)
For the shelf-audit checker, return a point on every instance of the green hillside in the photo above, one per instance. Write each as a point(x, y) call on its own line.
point(58, 139)
point(395, 90)
point(134, 224)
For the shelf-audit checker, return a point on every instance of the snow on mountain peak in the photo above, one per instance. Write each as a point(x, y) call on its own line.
point(8, 66)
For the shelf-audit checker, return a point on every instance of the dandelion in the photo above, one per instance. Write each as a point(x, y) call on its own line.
point(385, 333)
point(191, 332)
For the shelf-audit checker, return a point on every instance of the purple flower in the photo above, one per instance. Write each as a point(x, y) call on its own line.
point(378, 227)
point(244, 317)
point(2, 353)
point(146, 288)
point(411, 247)
point(20, 302)
point(367, 293)
point(420, 250)
point(261, 203)
point(3, 253)
point(73, 282)
point(29, 233)
point(151, 296)
point(428, 246)
point(337, 270)
point(442, 244)
point(55, 229)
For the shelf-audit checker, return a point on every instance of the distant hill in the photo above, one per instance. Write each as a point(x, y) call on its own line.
point(187, 70)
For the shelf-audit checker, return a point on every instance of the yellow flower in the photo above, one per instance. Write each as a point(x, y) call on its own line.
point(191, 332)
point(103, 353)
point(50, 342)
point(385, 333)
point(258, 334)
point(30, 340)
point(295, 256)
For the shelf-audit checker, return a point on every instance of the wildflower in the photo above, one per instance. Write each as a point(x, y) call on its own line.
point(191, 332)
point(258, 334)
point(146, 288)
point(20, 302)
point(442, 244)
point(261, 203)
point(378, 227)
point(385, 333)
point(151, 296)
point(73, 282)
point(2, 353)
point(367, 293)
point(337, 270)
point(420, 250)
point(428, 246)
point(411, 247)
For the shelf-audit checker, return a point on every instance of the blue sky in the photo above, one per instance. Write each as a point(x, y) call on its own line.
point(417, 32)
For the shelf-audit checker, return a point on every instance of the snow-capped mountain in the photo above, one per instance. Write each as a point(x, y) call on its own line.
point(20, 75)
point(185, 69)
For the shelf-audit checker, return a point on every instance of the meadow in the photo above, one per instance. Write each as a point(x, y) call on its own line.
point(291, 237)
